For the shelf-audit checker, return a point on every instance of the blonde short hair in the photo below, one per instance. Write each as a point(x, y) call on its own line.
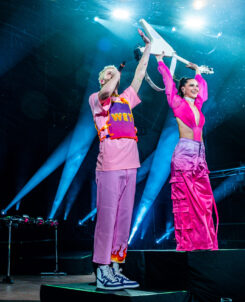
point(101, 74)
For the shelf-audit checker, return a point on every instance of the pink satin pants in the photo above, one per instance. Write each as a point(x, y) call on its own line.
point(115, 200)
point(192, 198)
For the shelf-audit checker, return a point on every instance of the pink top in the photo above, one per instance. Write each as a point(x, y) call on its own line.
point(180, 106)
point(116, 154)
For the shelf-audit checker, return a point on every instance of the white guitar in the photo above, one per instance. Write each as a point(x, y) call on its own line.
point(158, 45)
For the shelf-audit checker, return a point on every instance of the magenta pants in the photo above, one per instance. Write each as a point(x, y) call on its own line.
point(115, 200)
point(192, 197)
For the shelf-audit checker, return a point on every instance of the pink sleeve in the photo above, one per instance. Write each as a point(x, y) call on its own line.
point(96, 106)
point(171, 91)
point(203, 90)
point(131, 96)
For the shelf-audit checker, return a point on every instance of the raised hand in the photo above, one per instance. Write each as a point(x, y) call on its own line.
point(144, 37)
point(160, 57)
point(192, 66)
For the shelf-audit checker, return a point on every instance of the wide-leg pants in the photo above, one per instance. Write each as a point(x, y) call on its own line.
point(115, 200)
point(192, 197)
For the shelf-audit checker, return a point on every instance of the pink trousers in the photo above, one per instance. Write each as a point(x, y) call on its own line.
point(115, 200)
point(192, 197)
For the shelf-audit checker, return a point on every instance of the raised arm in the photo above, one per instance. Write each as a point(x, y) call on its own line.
point(110, 83)
point(141, 68)
point(202, 84)
point(170, 87)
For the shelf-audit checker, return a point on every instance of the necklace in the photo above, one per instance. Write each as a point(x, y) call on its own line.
point(189, 99)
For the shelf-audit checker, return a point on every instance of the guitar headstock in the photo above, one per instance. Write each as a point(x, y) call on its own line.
point(206, 69)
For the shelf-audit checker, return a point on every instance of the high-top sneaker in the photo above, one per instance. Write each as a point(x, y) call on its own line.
point(106, 279)
point(127, 283)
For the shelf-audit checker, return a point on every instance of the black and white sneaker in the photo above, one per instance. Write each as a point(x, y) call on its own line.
point(106, 279)
point(126, 282)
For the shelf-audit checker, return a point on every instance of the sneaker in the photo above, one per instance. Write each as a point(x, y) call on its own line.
point(127, 283)
point(106, 279)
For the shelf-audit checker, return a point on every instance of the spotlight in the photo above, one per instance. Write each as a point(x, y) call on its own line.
point(173, 28)
point(96, 19)
point(194, 23)
point(121, 14)
point(3, 212)
point(199, 4)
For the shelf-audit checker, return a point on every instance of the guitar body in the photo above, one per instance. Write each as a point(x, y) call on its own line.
point(158, 44)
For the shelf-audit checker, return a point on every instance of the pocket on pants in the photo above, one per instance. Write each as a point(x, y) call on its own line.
point(182, 218)
point(181, 210)
point(178, 188)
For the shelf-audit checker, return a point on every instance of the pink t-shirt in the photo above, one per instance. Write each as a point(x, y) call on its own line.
point(114, 154)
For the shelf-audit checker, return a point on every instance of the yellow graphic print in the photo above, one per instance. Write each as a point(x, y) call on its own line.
point(126, 117)
point(117, 116)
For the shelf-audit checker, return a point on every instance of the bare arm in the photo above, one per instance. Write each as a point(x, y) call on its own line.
point(141, 68)
point(194, 67)
point(107, 90)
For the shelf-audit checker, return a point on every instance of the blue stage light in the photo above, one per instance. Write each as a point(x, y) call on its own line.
point(165, 236)
point(159, 172)
point(228, 186)
point(199, 4)
point(194, 23)
point(54, 161)
point(121, 14)
point(82, 138)
point(79, 146)
point(96, 19)
point(90, 215)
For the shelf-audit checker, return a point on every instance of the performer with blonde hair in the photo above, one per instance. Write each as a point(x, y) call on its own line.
point(116, 170)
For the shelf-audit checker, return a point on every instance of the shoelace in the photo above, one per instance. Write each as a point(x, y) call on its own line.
point(109, 274)
point(120, 274)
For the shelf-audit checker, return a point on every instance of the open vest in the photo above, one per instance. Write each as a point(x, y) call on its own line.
point(120, 123)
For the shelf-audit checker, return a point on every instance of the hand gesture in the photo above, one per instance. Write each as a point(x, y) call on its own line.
point(160, 57)
point(144, 37)
point(192, 66)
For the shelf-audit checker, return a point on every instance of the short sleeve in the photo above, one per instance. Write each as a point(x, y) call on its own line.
point(96, 106)
point(131, 96)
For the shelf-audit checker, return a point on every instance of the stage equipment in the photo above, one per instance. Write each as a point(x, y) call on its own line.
point(11, 221)
point(54, 223)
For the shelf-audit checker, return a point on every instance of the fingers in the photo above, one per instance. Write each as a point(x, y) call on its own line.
point(140, 32)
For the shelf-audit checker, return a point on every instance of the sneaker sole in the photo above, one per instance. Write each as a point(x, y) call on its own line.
point(131, 286)
point(109, 288)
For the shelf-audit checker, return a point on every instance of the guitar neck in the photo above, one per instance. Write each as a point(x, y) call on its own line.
point(181, 59)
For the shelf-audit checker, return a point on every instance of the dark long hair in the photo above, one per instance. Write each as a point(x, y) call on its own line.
point(182, 83)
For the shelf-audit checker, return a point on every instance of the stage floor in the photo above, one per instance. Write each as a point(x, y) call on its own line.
point(27, 288)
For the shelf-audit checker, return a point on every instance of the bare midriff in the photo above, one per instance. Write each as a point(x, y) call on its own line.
point(185, 131)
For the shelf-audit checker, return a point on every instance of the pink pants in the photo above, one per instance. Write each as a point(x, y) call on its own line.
point(115, 200)
point(192, 198)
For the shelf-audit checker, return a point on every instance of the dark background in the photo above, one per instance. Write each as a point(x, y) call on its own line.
point(50, 55)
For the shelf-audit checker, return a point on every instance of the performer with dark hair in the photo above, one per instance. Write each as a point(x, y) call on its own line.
point(191, 192)
point(116, 170)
